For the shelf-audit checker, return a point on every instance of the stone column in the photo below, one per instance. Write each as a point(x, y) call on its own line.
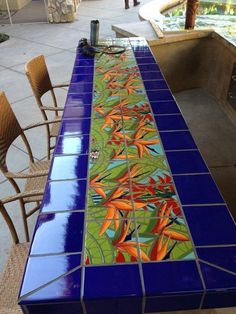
point(61, 11)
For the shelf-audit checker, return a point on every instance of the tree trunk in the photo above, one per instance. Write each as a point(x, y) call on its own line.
point(191, 11)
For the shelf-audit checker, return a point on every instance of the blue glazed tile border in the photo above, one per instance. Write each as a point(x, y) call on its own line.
point(112, 282)
point(171, 278)
point(64, 196)
point(58, 233)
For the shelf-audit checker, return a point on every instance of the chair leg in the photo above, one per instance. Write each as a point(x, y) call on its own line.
point(24, 216)
point(126, 4)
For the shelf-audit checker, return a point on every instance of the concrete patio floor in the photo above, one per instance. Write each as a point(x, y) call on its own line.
point(58, 44)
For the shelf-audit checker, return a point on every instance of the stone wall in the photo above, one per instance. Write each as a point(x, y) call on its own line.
point(61, 11)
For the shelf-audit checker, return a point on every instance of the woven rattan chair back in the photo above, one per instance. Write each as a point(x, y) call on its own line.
point(9, 131)
point(39, 79)
point(37, 73)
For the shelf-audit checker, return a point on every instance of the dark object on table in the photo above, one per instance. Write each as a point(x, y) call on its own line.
point(85, 48)
point(94, 32)
point(127, 3)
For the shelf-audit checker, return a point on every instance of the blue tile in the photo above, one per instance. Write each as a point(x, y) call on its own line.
point(58, 233)
point(152, 75)
point(42, 270)
point(108, 306)
point(82, 87)
point(221, 256)
point(54, 308)
point(83, 70)
point(164, 107)
point(75, 127)
point(112, 282)
point(77, 112)
point(170, 122)
point(146, 60)
point(142, 54)
point(155, 84)
point(171, 277)
point(159, 95)
point(148, 67)
point(177, 140)
point(210, 225)
point(79, 100)
point(81, 78)
point(186, 162)
point(219, 299)
point(78, 144)
point(197, 189)
point(216, 279)
point(69, 167)
point(173, 303)
point(88, 62)
point(64, 195)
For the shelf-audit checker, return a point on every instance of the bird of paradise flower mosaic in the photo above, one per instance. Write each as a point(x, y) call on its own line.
point(133, 213)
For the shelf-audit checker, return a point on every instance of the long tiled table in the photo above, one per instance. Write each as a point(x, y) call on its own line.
point(131, 220)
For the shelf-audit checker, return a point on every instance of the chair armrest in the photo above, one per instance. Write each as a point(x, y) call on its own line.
point(47, 122)
point(51, 108)
point(60, 85)
point(21, 196)
point(26, 175)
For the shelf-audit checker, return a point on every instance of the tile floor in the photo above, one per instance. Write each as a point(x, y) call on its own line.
point(57, 43)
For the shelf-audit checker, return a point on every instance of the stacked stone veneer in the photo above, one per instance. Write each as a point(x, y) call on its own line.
point(61, 11)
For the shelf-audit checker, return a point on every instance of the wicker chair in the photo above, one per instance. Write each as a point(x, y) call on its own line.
point(12, 274)
point(36, 176)
point(38, 76)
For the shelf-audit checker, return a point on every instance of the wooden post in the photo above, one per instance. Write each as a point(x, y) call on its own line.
point(191, 11)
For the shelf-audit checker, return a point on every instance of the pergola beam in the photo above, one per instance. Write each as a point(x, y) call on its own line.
point(191, 11)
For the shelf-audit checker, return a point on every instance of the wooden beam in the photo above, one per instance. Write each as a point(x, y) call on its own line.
point(191, 12)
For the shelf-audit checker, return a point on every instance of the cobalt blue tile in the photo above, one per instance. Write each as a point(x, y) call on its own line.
point(216, 279)
point(83, 70)
point(116, 305)
point(219, 299)
point(78, 144)
point(146, 60)
point(170, 122)
point(164, 107)
point(210, 225)
point(197, 189)
point(171, 277)
point(58, 233)
point(79, 100)
point(81, 78)
point(173, 303)
point(159, 95)
point(81, 56)
point(142, 54)
point(112, 282)
point(177, 140)
point(221, 256)
point(82, 87)
point(41, 270)
point(75, 127)
point(148, 67)
point(69, 167)
point(88, 62)
point(54, 308)
point(155, 84)
point(77, 112)
point(152, 75)
point(186, 162)
point(64, 195)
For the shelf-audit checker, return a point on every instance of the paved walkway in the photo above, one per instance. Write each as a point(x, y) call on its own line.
point(58, 43)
